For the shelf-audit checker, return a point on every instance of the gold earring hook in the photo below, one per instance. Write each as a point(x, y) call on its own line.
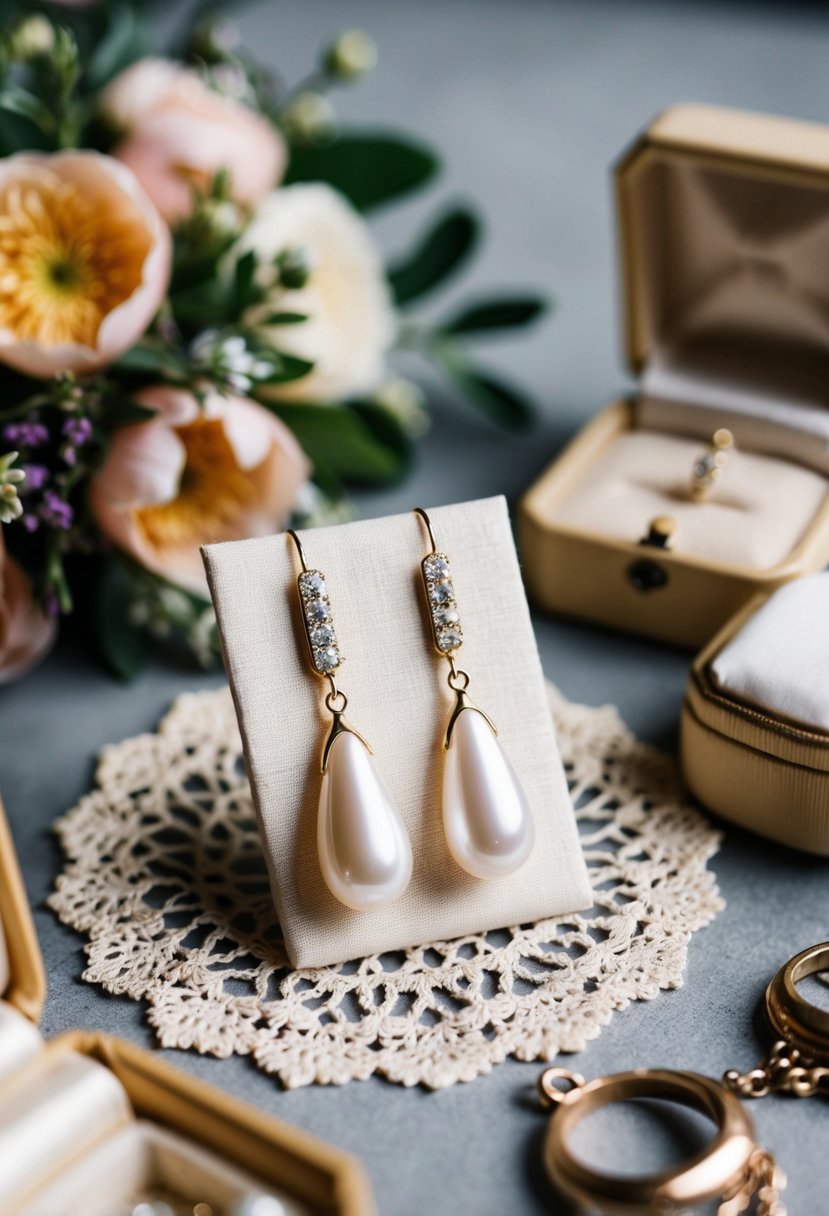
point(427, 521)
point(299, 548)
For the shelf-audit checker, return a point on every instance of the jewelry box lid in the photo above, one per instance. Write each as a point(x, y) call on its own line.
point(25, 985)
point(723, 221)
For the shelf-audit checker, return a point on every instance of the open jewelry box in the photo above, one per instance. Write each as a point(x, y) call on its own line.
point(724, 239)
point(88, 1123)
point(755, 722)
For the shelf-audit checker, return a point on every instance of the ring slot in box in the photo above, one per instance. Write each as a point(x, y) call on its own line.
point(724, 233)
point(755, 722)
point(88, 1122)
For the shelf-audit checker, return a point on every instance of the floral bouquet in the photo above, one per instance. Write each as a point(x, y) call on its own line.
point(197, 331)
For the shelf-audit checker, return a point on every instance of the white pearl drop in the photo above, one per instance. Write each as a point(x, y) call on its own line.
point(364, 849)
point(488, 825)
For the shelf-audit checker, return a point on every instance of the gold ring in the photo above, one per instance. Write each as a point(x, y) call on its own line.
point(710, 466)
point(803, 1025)
point(716, 1171)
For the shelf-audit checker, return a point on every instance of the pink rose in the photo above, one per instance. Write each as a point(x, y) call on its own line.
point(193, 475)
point(84, 261)
point(25, 633)
point(180, 134)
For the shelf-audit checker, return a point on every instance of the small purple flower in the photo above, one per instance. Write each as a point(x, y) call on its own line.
point(78, 431)
point(69, 454)
point(55, 512)
point(30, 522)
point(36, 477)
point(25, 434)
point(51, 604)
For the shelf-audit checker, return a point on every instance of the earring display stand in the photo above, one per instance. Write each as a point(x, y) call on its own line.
point(397, 694)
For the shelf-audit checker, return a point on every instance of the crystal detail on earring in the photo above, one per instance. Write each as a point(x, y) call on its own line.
point(440, 592)
point(449, 639)
point(319, 628)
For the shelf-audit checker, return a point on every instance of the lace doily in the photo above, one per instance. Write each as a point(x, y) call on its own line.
point(165, 876)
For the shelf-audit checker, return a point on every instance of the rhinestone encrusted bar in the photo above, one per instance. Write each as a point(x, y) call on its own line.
point(443, 607)
point(319, 625)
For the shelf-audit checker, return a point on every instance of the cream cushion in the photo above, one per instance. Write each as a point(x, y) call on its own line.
point(754, 519)
point(779, 661)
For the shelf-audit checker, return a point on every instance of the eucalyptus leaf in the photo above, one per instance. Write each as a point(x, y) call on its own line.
point(285, 318)
point(204, 305)
point(369, 168)
point(439, 252)
point(245, 289)
point(122, 43)
point(124, 646)
point(342, 443)
point(151, 359)
point(501, 312)
point(286, 368)
point(502, 402)
point(25, 105)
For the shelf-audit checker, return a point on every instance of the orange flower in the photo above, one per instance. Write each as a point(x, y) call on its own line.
point(193, 475)
point(84, 261)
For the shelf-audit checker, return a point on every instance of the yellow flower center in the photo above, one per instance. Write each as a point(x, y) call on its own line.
point(66, 260)
point(212, 494)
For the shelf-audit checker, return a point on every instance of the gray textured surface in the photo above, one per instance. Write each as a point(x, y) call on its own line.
point(530, 102)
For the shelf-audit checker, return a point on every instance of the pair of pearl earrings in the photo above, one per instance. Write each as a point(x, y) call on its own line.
point(364, 850)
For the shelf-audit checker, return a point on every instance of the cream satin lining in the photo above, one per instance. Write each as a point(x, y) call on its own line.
point(779, 661)
point(50, 1114)
point(20, 1041)
point(754, 519)
point(141, 1160)
point(735, 290)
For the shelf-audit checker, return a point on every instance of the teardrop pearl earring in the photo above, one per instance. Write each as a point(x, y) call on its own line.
point(364, 851)
point(488, 825)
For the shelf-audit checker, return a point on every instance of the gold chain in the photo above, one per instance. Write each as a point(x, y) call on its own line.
point(783, 1070)
point(763, 1182)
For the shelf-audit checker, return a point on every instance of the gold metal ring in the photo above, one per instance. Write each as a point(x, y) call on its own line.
point(709, 468)
point(803, 1025)
point(715, 1171)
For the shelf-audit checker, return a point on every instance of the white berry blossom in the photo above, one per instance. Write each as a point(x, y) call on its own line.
point(351, 322)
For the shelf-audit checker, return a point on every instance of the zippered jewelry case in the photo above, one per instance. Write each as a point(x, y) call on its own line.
point(755, 722)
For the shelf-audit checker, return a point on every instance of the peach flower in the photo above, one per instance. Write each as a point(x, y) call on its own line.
point(180, 133)
point(84, 261)
point(192, 475)
point(25, 632)
point(351, 321)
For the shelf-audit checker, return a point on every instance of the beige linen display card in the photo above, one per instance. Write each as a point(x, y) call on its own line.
point(400, 702)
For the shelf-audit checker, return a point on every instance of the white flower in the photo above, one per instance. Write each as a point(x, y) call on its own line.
point(351, 321)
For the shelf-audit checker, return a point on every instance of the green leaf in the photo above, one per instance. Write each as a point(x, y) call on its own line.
point(343, 443)
point(152, 359)
point(23, 103)
point(204, 305)
point(245, 289)
point(285, 318)
point(369, 168)
point(286, 368)
point(438, 253)
point(124, 646)
point(502, 402)
point(504, 312)
point(121, 44)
